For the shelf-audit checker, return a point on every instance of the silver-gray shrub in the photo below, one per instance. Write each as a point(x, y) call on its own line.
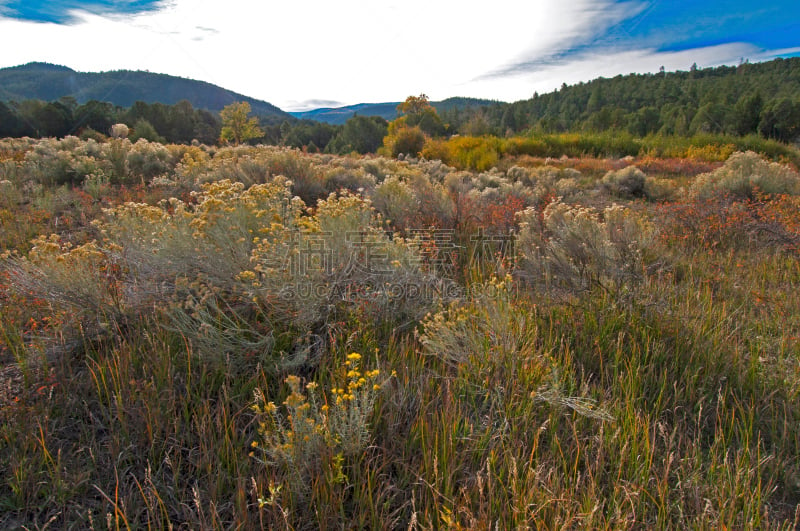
point(572, 249)
point(628, 182)
point(53, 162)
point(396, 201)
point(742, 174)
point(351, 179)
point(146, 160)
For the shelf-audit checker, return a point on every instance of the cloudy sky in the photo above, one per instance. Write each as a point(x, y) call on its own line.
point(302, 54)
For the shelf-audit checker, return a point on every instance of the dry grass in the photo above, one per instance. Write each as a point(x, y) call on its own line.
point(645, 376)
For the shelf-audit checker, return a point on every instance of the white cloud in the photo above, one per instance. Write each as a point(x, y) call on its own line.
point(609, 63)
point(353, 51)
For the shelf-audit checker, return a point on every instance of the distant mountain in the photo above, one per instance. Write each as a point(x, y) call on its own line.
point(388, 111)
point(50, 82)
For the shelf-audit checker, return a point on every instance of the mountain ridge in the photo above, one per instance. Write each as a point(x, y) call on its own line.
point(48, 82)
point(386, 110)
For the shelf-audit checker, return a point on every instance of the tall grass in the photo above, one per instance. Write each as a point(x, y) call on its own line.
point(651, 381)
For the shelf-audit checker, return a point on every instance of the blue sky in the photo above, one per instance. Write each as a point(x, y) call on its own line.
point(304, 53)
point(680, 25)
point(61, 12)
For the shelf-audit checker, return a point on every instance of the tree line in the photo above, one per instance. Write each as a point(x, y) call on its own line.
point(761, 99)
point(181, 124)
point(751, 98)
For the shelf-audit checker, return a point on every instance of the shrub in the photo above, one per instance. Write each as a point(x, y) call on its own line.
point(491, 340)
point(83, 282)
point(435, 203)
point(148, 159)
point(339, 256)
point(742, 174)
point(465, 152)
point(484, 325)
point(567, 187)
point(318, 430)
point(350, 179)
point(396, 201)
point(119, 131)
point(116, 153)
point(572, 248)
point(49, 165)
point(404, 140)
point(627, 182)
point(496, 207)
point(252, 256)
point(723, 222)
point(661, 189)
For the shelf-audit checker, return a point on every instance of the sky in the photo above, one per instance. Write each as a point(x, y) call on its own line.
point(304, 54)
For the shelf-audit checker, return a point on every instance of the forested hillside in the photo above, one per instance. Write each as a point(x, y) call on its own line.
point(49, 82)
point(761, 98)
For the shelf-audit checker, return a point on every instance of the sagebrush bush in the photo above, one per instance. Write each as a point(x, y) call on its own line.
point(354, 180)
point(491, 339)
point(340, 254)
point(627, 182)
point(483, 325)
point(82, 282)
point(148, 159)
point(235, 266)
point(47, 164)
point(744, 173)
point(396, 201)
point(119, 131)
point(547, 181)
point(578, 248)
point(656, 189)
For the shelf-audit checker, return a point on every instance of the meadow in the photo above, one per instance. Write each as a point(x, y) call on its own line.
point(530, 334)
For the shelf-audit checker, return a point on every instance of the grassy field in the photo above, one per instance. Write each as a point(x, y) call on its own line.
point(254, 337)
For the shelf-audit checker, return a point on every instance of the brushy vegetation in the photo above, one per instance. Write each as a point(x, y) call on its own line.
point(256, 337)
point(481, 153)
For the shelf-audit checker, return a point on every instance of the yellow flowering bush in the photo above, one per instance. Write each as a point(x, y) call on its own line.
point(82, 280)
point(317, 430)
point(488, 322)
point(338, 254)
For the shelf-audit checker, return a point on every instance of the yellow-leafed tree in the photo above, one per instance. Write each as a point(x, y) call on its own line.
point(236, 126)
point(417, 122)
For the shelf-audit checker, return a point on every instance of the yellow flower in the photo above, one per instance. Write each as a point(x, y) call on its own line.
point(354, 356)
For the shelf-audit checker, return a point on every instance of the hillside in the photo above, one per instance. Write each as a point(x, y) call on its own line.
point(49, 82)
point(761, 98)
point(387, 111)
